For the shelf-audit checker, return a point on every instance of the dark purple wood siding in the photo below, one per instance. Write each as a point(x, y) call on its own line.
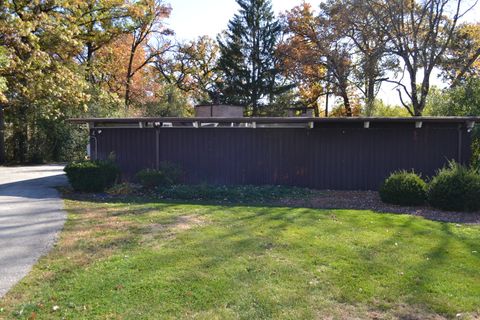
point(346, 157)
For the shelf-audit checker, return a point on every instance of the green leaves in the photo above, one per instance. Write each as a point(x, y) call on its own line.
point(404, 188)
point(247, 60)
point(462, 100)
point(3, 81)
point(455, 188)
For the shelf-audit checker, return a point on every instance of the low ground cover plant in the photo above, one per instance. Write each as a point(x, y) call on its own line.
point(123, 189)
point(455, 188)
point(242, 194)
point(404, 188)
point(167, 175)
point(92, 176)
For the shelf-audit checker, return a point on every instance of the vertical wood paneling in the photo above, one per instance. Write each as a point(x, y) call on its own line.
point(323, 158)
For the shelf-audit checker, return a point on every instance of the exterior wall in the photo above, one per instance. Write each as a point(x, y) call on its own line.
point(133, 149)
point(220, 111)
point(342, 157)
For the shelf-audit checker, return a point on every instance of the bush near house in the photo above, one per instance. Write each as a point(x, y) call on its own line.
point(455, 188)
point(92, 176)
point(404, 188)
point(167, 175)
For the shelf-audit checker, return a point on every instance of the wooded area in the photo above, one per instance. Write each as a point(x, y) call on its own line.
point(106, 58)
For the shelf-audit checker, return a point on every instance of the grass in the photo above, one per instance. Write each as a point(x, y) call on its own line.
point(134, 260)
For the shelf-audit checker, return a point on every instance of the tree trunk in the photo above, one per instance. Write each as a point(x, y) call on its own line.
point(327, 97)
point(254, 84)
point(127, 92)
point(425, 89)
point(346, 104)
point(465, 68)
point(316, 110)
point(255, 66)
point(89, 63)
point(370, 95)
point(22, 137)
point(343, 84)
point(129, 77)
point(2, 135)
point(414, 95)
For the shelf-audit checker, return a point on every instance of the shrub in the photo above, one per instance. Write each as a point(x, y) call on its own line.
point(455, 188)
point(92, 176)
point(173, 173)
point(122, 189)
point(476, 153)
point(404, 188)
point(167, 175)
point(151, 178)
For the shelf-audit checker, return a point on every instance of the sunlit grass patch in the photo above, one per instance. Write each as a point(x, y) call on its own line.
point(134, 260)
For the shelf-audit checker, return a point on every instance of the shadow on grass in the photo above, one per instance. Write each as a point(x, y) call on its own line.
point(357, 201)
point(401, 259)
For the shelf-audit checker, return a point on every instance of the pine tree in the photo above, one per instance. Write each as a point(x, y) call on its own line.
point(247, 60)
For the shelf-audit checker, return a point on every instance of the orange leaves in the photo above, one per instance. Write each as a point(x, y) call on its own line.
point(112, 65)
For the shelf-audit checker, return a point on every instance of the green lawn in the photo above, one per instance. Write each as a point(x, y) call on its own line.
point(168, 260)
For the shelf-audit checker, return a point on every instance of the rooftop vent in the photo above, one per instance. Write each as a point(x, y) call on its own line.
point(219, 111)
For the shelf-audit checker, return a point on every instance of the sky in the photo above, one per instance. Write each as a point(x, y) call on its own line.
point(193, 18)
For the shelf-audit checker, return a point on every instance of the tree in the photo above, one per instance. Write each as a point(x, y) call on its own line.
point(147, 17)
point(169, 101)
point(3, 81)
point(418, 33)
point(247, 60)
point(462, 57)
point(462, 100)
point(369, 45)
point(3, 87)
point(99, 22)
point(381, 109)
point(299, 66)
point(43, 80)
point(314, 41)
point(111, 66)
point(69, 59)
point(192, 68)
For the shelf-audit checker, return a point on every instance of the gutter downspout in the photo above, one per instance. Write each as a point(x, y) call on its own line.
point(96, 146)
point(157, 148)
point(91, 129)
point(460, 146)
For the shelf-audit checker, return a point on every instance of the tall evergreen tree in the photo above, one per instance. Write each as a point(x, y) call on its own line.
point(247, 61)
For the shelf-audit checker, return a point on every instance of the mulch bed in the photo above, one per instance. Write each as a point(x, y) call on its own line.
point(370, 200)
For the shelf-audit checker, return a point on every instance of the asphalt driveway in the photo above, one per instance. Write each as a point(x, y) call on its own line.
point(31, 215)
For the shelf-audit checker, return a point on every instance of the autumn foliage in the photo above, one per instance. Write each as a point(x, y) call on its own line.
point(108, 58)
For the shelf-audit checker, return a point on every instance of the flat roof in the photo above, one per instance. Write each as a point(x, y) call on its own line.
point(277, 120)
point(219, 105)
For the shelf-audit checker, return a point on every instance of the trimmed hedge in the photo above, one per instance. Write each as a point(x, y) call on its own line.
point(167, 175)
point(404, 188)
point(92, 176)
point(455, 188)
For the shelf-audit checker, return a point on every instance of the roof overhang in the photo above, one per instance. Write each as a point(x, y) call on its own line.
point(466, 123)
point(278, 120)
